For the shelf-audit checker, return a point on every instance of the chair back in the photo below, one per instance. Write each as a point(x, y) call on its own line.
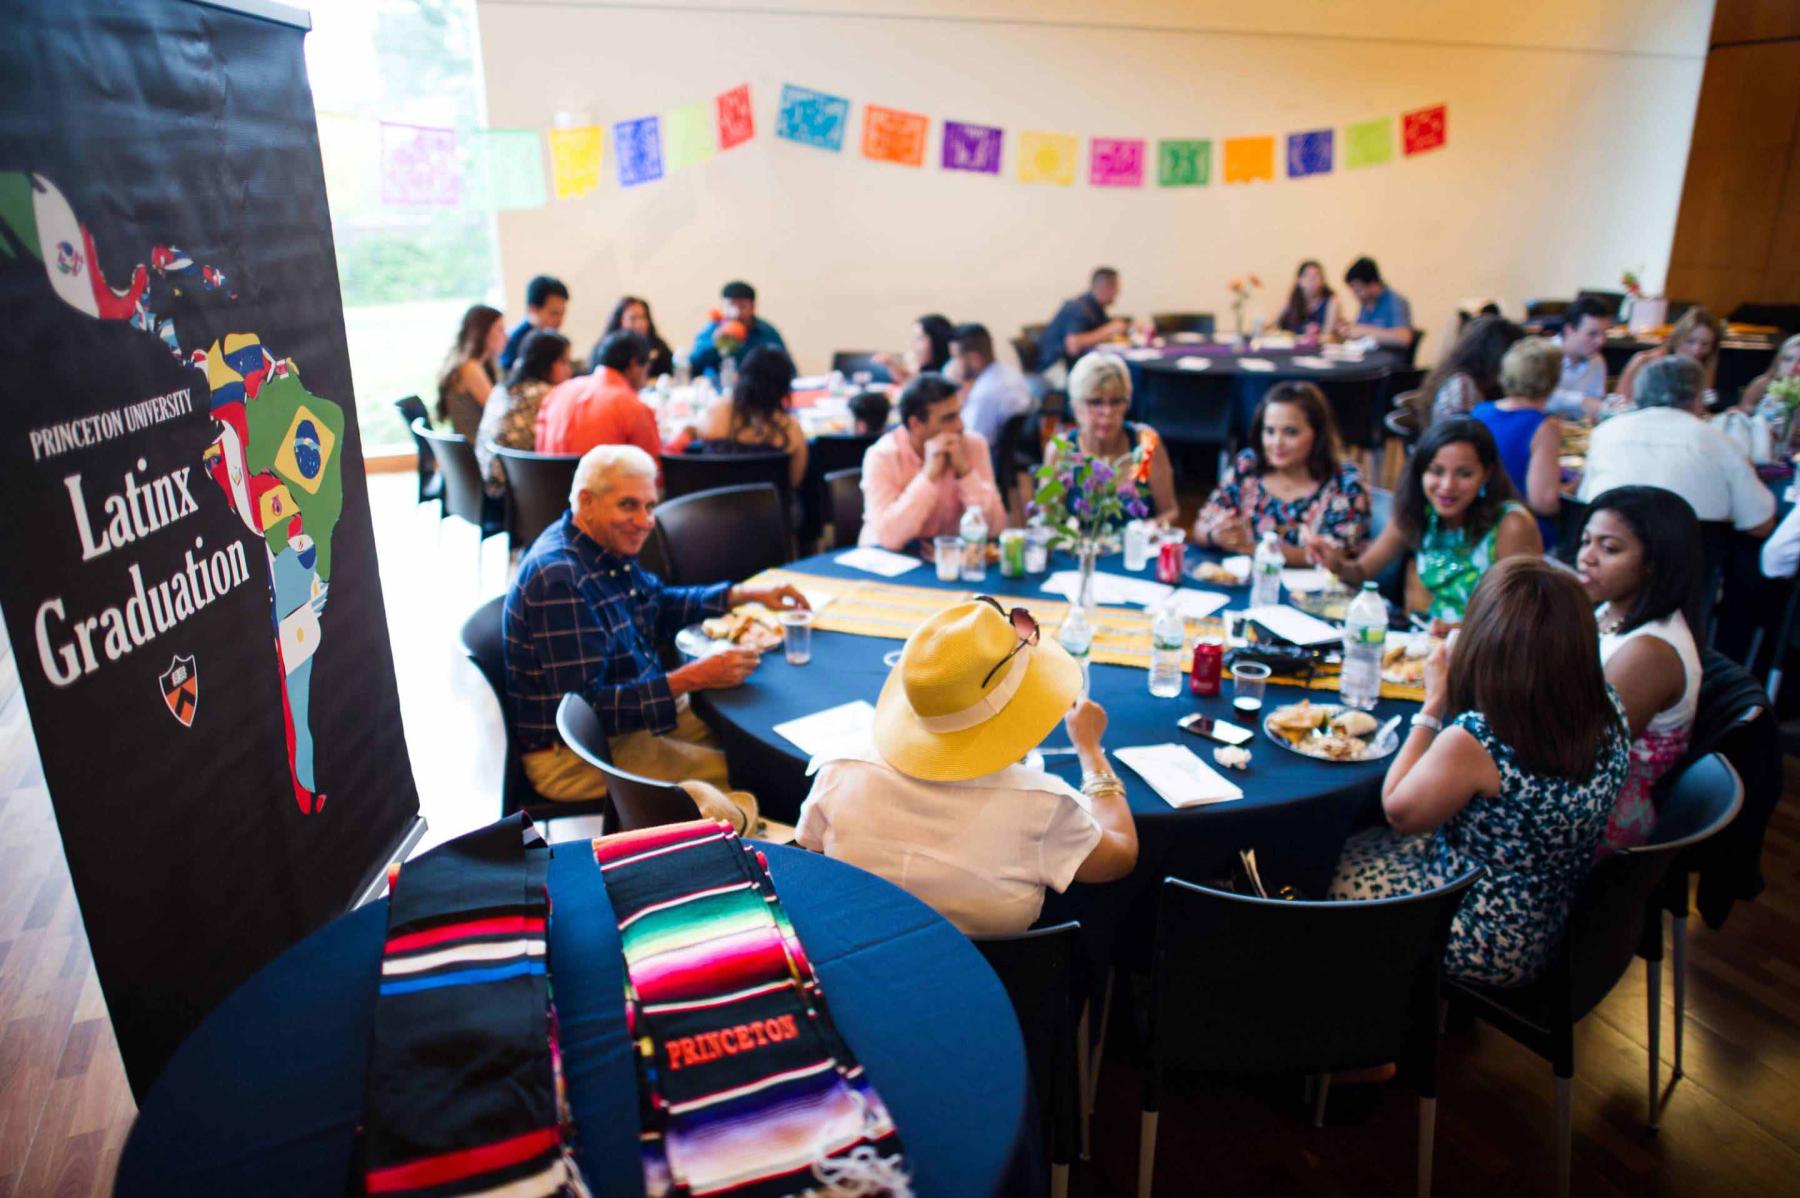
point(844, 487)
point(463, 494)
point(686, 473)
point(1785, 317)
point(1181, 322)
point(637, 801)
point(1538, 309)
point(1037, 967)
point(537, 491)
point(851, 362)
point(412, 408)
point(1410, 354)
point(825, 455)
point(1248, 985)
point(1004, 453)
point(723, 535)
point(1357, 407)
point(484, 643)
point(1026, 348)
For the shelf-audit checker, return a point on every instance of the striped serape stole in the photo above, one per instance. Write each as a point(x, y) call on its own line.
point(745, 1086)
point(465, 1092)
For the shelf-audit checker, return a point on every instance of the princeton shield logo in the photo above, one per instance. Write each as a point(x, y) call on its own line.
point(181, 689)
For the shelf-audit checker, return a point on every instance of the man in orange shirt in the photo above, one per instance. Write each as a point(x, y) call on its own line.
point(602, 408)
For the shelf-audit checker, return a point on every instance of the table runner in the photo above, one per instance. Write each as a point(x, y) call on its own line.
point(874, 608)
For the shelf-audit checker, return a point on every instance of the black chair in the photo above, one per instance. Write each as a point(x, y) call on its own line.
point(1357, 406)
point(1605, 931)
point(1784, 637)
point(1250, 986)
point(1037, 967)
point(1785, 317)
point(846, 505)
point(637, 801)
point(727, 534)
point(850, 363)
point(1410, 353)
point(484, 642)
point(1026, 348)
point(1539, 309)
point(464, 496)
point(431, 483)
point(1182, 322)
point(826, 454)
point(686, 473)
point(1715, 551)
point(537, 491)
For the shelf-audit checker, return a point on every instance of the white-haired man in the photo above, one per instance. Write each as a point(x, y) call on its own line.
point(584, 617)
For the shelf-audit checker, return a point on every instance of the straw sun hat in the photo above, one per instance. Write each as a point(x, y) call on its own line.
point(947, 714)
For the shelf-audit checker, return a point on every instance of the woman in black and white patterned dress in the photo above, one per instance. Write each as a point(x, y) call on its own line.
point(1519, 782)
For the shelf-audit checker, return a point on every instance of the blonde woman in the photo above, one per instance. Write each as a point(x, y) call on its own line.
point(1099, 396)
point(1696, 336)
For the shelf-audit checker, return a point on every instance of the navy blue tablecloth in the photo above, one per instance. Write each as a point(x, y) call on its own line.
point(1296, 811)
point(265, 1096)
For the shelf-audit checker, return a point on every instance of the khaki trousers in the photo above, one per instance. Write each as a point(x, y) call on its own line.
point(690, 751)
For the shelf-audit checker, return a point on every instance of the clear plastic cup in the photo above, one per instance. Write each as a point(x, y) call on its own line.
point(947, 553)
point(1248, 681)
point(796, 636)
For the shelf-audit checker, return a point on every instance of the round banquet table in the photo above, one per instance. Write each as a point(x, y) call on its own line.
point(264, 1098)
point(1213, 405)
point(1296, 811)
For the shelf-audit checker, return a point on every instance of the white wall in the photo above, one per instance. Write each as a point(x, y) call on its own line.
point(1568, 136)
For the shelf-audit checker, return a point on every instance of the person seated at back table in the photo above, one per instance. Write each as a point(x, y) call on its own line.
point(1081, 323)
point(995, 392)
point(1530, 442)
point(633, 316)
point(509, 419)
point(1664, 443)
point(928, 348)
point(870, 409)
point(1290, 480)
point(939, 804)
point(1485, 779)
point(583, 617)
point(919, 478)
point(468, 374)
point(754, 417)
point(1784, 365)
point(1696, 337)
point(737, 305)
point(1385, 317)
point(1099, 396)
point(1455, 514)
point(603, 407)
point(1581, 389)
point(1469, 374)
point(546, 304)
point(1312, 309)
point(1639, 559)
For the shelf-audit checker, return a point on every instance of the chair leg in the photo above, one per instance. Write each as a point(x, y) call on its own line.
point(1319, 1097)
point(1680, 931)
point(1093, 1081)
point(1565, 1132)
point(1427, 1138)
point(1653, 1003)
point(1083, 1063)
point(1059, 1181)
point(1146, 1153)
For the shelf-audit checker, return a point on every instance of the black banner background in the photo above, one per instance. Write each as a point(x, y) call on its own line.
point(169, 124)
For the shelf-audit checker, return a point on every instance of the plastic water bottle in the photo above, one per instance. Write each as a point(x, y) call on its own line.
point(1265, 572)
point(1365, 636)
point(1076, 636)
point(1137, 545)
point(974, 531)
point(1167, 633)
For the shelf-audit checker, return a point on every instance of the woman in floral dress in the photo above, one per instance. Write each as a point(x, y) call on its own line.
point(1519, 782)
point(1290, 481)
point(509, 418)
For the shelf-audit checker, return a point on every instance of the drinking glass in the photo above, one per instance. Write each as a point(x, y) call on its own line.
point(796, 636)
point(947, 552)
point(1248, 679)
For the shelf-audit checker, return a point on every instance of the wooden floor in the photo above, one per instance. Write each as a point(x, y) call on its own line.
point(1732, 1126)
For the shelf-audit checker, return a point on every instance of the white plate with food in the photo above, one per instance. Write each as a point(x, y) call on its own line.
point(751, 626)
point(1328, 732)
point(1403, 660)
point(1229, 572)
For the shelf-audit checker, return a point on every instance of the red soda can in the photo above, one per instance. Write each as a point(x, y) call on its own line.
point(1170, 557)
point(1209, 664)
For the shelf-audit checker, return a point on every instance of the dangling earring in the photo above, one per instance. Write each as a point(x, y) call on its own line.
point(1482, 494)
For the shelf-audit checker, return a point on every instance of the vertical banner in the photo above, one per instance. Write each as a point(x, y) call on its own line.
point(1309, 153)
point(1369, 143)
point(575, 160)
point(1424, 129)
point(890, 135)
point(1048, 158)
point(737, 121)
point(1116, 162)
point(637, 146)
point(1249, 158)
point(192, 596)
point(972, 147)
point(1183, 163)
point(812, 118)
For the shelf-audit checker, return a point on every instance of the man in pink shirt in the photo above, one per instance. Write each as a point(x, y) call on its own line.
point(602, 408)
point(918, 479)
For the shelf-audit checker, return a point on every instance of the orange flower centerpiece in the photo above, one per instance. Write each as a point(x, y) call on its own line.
point(1242, 288)
point(729, 335)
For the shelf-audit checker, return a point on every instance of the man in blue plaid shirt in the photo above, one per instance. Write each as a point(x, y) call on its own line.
point(584, 617)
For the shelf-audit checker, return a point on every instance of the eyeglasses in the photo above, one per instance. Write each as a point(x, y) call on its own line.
point(1023, 623)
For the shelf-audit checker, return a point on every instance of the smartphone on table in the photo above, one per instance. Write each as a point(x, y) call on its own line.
point(1223, 731)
